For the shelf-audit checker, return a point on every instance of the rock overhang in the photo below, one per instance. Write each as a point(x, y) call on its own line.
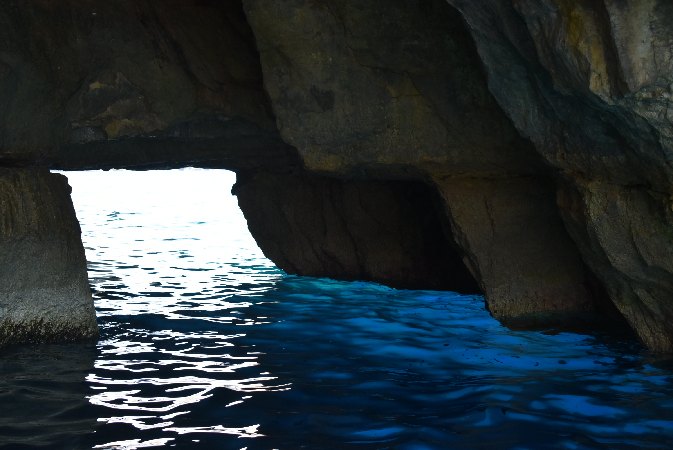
point(539, 136)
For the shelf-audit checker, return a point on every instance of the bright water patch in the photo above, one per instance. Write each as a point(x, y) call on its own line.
point(205, 344)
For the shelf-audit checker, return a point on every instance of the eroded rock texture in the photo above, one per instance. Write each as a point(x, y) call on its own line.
point(517, 246)
point(500, 103)
point(370, 87)
point(590, 84)
point(44, 289)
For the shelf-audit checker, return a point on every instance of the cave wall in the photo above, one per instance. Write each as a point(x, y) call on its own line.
point(151, 84)
point(395, 89)
point(391, 232)
point(482, 97)
point(368, 88)
point(593, 83)
point(511, 233)
point(528, 143)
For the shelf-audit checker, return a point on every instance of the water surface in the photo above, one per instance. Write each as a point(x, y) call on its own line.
point(205, 344)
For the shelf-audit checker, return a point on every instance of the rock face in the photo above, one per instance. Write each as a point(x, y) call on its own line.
point(44, 289)
point(516, 245)
point(367, 88)
point(529, 143)
point(385, 231)
point(574, 104)
point(408, 98)
point(590, 85)
point(95, 84)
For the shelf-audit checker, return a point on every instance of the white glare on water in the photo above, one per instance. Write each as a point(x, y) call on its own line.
point(170, 245)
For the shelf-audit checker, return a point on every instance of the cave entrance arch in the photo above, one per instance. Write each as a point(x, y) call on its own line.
point(386, 231)
point(161, 233)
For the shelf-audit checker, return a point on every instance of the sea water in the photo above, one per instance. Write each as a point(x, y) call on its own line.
point(205, 344)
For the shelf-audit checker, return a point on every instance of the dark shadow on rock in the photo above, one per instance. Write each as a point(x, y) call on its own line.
point(385, 231)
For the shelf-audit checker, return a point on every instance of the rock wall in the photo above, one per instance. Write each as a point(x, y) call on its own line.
point(386, 231)
point(44, 289)
point(517, 246)
point(590, 84)
point(152, 84)
point(408, 99)
point(382, 88)
point(546, 127)
point(529, 143)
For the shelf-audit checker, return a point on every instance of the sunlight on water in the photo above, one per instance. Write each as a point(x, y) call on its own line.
point(192, 269)
point(205, 344)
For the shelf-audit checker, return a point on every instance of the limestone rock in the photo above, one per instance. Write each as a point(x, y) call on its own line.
point(546, 127)
point(626, 237)
point(519, 250)
point(44, 289)
point(589, 83)
point(82, 80)
point(391, 89)
point(382, 87)
point(390, 232)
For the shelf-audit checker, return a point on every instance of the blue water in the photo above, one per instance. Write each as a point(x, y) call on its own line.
point(205, 344)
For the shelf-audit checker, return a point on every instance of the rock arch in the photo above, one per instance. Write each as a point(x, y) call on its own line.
point(467, 145)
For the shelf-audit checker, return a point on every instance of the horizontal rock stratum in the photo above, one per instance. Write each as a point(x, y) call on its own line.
point(522, 149)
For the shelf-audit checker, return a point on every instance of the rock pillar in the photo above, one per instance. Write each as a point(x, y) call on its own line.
point(44, 290)
point(626, 238)
point(517, 247)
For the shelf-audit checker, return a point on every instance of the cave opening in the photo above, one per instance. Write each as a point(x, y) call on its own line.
point(148, 233)
point(392, 232)
point(190, 308)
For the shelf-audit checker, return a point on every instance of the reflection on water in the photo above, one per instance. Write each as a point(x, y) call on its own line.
point(206, 345)
point(176, 276)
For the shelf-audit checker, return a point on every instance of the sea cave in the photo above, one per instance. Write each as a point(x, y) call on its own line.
point(432, 203)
